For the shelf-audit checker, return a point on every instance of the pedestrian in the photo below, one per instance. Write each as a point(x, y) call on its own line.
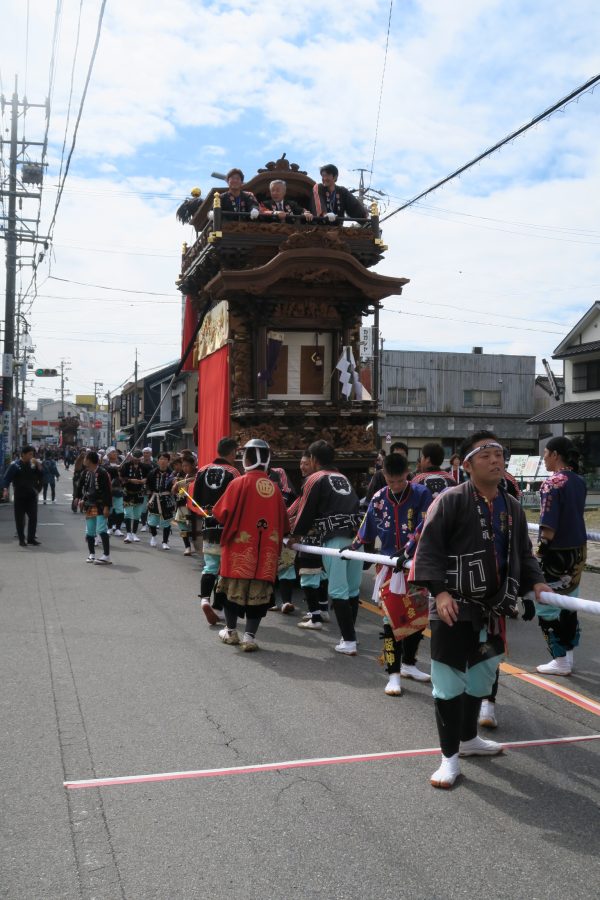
point(147, 463)
point(327, 512)
point(95, 499)
point(161, 503)
point(394, 515)
point(475, 557)
point(562, 550)
point(112, 464)
point(182, 486)
point(378, 480)
point(25, 475)
point(134, 488)
point(255, 521)
point(78, 472)
point(211, 483)
point(430, 471)
point(50, 475)
point(313, 579)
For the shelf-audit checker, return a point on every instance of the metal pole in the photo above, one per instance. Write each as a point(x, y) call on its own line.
point(136, 402)
point(11, 254)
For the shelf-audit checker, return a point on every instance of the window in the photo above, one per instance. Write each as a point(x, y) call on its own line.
point(399, 396)
point(175, 407)
point(481, 398)
point(586, 376)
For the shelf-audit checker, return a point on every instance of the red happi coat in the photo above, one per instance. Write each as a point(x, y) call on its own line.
point(254, 520)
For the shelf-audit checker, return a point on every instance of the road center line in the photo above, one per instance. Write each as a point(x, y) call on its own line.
point(304, 764)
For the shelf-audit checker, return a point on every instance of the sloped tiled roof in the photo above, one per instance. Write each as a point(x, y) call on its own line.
point(576, 349)
point(569, 412)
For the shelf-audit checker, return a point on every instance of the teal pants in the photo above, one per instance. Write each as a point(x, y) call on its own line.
point(344, 575)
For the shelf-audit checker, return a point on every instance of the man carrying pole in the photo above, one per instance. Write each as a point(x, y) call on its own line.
point(475, 557)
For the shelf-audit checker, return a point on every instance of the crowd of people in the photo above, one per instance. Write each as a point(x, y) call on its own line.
point(329, 201)
point(456, 539)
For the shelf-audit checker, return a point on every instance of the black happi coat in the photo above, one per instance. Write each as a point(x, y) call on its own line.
point(344, 203)
point(94, 489)
point(134, 493)
point(327, 507)
point(247, 202)
point(454, 554)
point(209, 486)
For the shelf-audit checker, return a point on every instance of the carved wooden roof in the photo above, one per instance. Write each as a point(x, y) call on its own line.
point(317, 269)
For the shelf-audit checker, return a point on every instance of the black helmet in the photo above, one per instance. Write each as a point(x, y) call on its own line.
point(262, 454)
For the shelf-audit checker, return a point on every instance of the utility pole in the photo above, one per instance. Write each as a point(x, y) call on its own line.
point(11, 264)
point(97, 384)
point(62, 388)
point(12, 235)
point(365, 194)
point(136, 403)
point(108, 421)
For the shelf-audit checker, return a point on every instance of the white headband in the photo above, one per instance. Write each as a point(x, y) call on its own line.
point(483, 447)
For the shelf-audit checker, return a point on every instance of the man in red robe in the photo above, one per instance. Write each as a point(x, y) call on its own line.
point(254, 520)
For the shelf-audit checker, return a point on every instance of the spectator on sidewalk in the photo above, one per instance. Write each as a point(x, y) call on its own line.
point(25, 475)
point(50, 476)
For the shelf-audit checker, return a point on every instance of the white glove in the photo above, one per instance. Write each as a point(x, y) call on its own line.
point(331, 217)
point(211, 215)
point(254, 213)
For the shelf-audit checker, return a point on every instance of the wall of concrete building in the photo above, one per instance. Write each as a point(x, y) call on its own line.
point(427, 396)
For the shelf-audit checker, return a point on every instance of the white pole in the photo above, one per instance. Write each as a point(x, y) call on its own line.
point(576, 604)
point(346, 554)
point(591, 535)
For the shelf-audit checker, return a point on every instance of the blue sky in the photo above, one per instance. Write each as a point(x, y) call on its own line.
point(185, 88)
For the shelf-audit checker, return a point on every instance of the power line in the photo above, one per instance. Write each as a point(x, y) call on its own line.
point(79, 114)
point(129, 301)
point(470, 309)
point(387, 41)
point(62, 153)
point(402, 312)
point(544, 115)
point(106, 288)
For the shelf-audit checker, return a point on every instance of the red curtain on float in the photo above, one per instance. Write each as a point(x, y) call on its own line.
point(213, 404)
point(190, 320)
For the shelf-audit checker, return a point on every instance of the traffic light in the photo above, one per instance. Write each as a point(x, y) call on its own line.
point(46, 373)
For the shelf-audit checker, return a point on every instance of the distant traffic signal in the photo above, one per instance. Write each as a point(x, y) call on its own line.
point(46, 373)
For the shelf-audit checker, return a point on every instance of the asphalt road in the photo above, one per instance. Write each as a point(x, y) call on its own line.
point(114, 672)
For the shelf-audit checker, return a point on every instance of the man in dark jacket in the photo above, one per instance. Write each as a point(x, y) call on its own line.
point(25, 475)
point(50, 476)
point(475, 557)
point(209, 486)
point(331, 201)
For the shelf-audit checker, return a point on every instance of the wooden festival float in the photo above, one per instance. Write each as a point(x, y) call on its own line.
point(285, 302)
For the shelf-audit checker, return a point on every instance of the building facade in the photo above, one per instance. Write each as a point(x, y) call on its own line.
point(579, 414)
point(444, 397)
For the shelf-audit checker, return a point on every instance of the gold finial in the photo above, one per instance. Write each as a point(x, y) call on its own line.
point(196, 192)
point(374, 209)
point(184, 248)
point(217, 200)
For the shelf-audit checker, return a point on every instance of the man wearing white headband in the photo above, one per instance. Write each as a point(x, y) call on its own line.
point(476, 558)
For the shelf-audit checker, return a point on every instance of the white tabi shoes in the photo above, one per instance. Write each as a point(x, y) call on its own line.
point(479, 746)
point(562, 665)
point(448, 772)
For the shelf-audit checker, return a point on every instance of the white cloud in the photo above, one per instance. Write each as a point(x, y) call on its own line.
point(180, 87)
